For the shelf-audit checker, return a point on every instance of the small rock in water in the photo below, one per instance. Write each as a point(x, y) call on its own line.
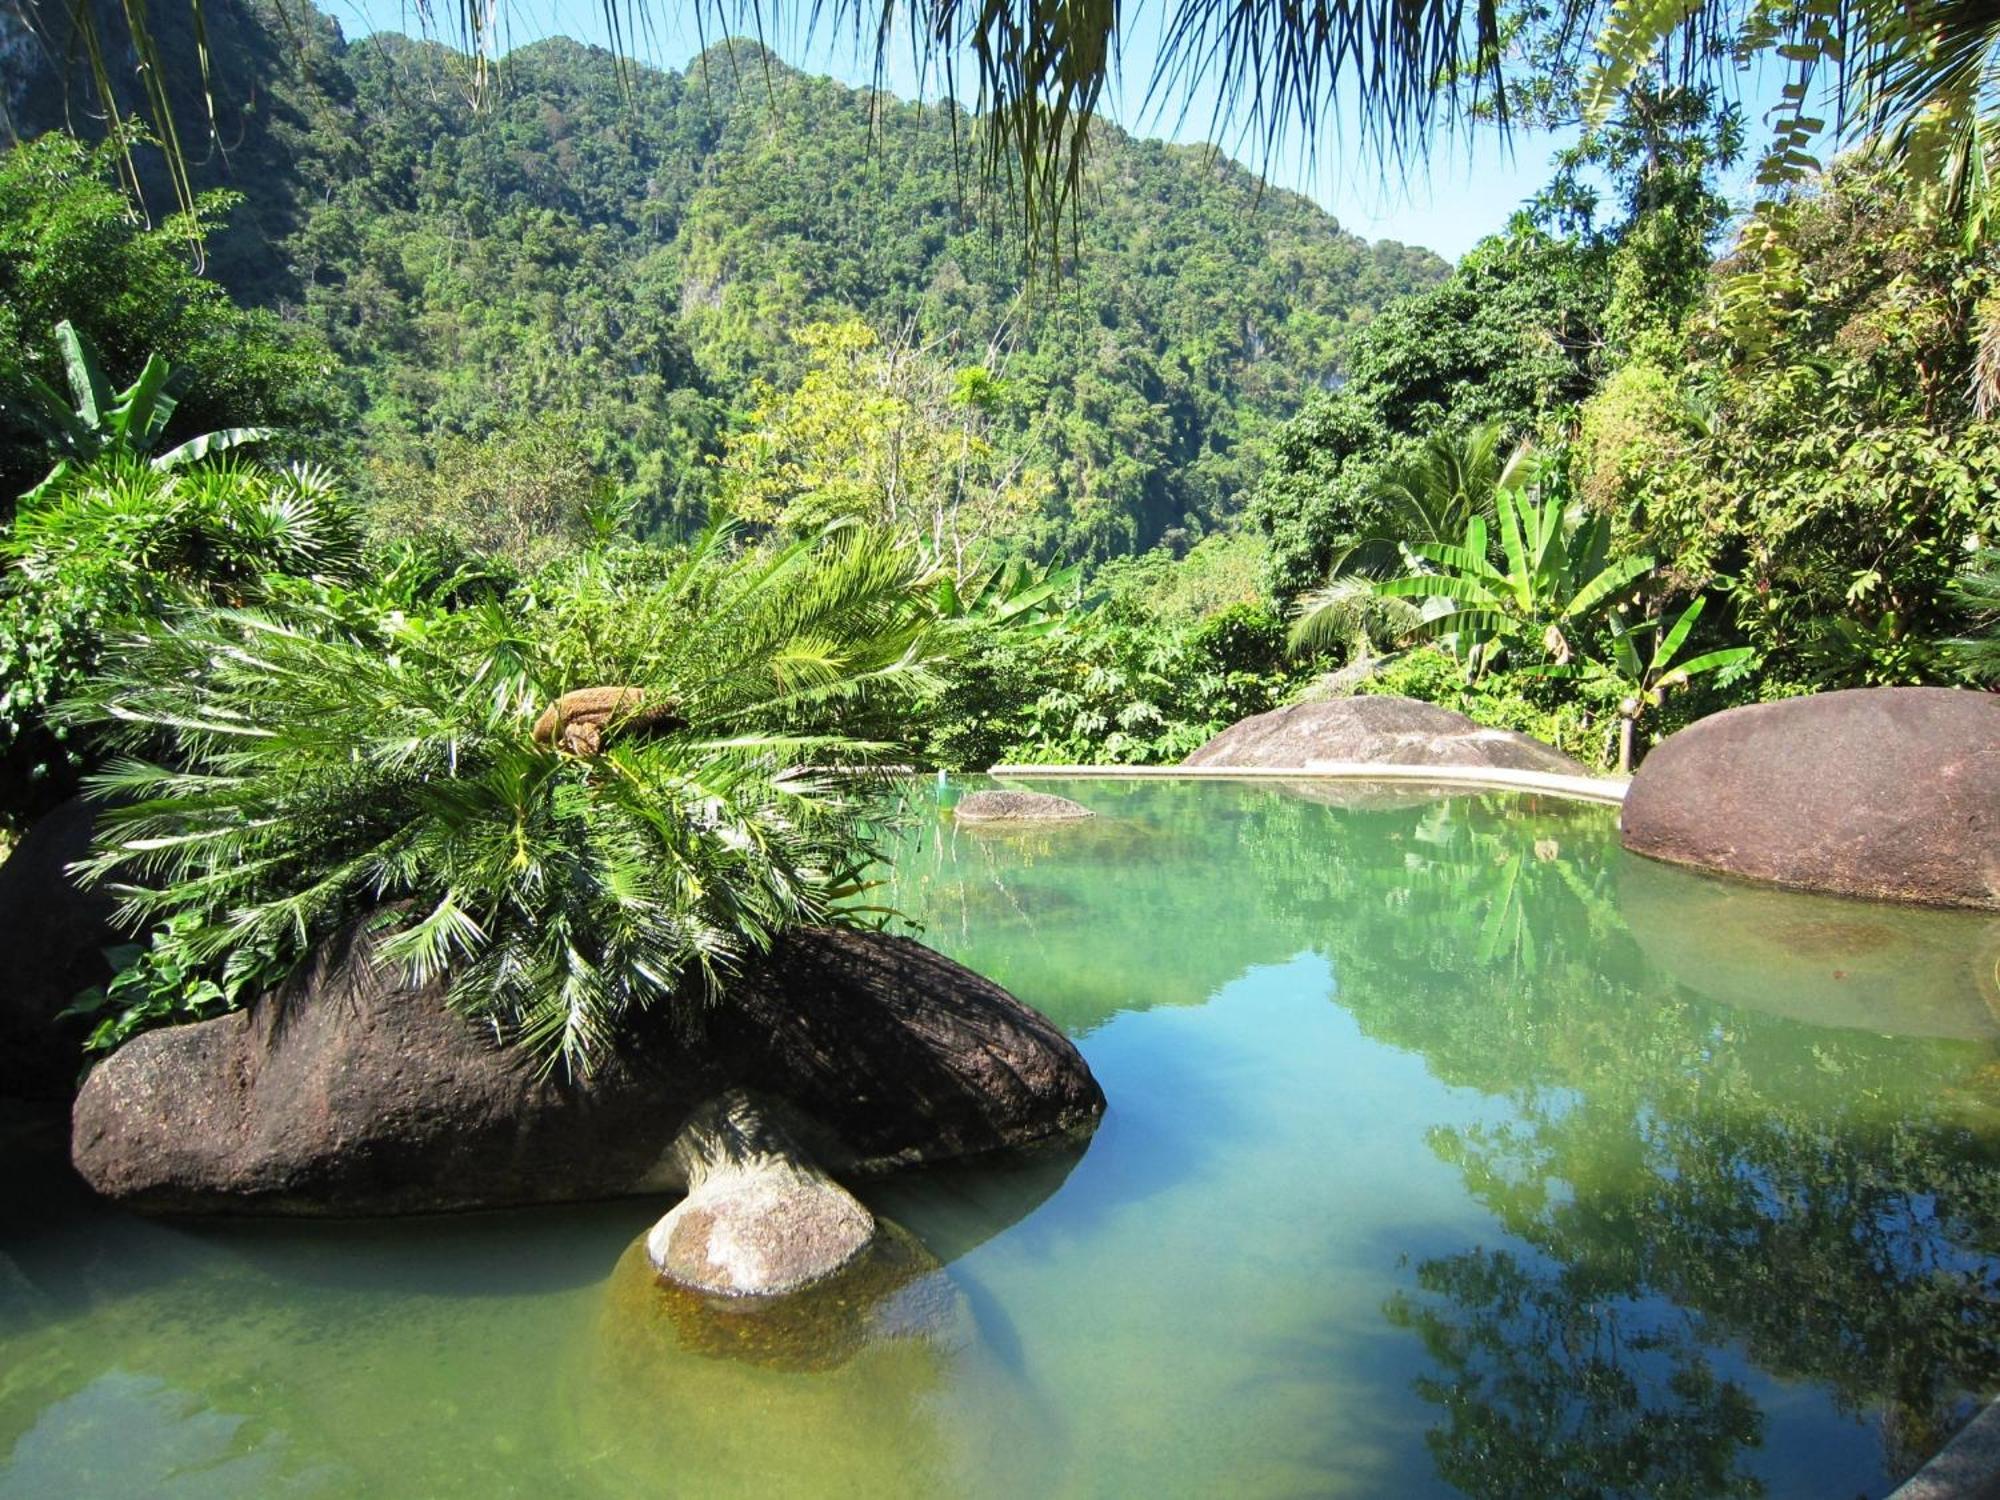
point(760, 1218)
point(1019, 807)
point(893, 1292)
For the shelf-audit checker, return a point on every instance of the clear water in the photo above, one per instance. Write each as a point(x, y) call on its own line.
point(1450, 1151)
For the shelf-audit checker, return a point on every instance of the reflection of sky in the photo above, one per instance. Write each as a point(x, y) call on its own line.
point(1467, 188)
point(133, 1435)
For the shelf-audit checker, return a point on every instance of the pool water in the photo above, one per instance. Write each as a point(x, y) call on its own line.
point(1450, 1151)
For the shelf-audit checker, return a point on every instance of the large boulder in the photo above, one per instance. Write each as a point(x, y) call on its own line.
point(351, 1090)
point(54, 934)
point(1887, 793)
point(1376, 731)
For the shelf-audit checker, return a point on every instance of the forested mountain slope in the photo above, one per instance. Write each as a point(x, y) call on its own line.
point(639, 258)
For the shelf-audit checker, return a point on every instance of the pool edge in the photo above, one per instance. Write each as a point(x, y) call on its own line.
point(1966, 1468)
point(1607, 790)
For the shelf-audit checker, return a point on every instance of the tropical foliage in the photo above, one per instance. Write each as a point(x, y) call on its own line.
point(119, 538)
point(1556, 576)
point(1637, 683)
point(289, 770)
point(996, 497)
point(71, 249)
point(640, 250)
point(108, 425)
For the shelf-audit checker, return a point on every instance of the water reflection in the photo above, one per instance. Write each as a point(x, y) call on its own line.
point(876, 1383)
point(1691, 1176)
point(1744, 1130)
point(1448, 1152)
point(1550, 1385)
point(1819, 959)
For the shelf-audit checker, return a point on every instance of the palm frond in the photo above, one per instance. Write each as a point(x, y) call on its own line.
point(285, 772)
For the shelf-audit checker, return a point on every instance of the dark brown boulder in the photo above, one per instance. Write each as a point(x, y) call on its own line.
point(1887, 793)
point(352, 1091)
point(1018, 807)
point(1378, 731)
point(54, 934)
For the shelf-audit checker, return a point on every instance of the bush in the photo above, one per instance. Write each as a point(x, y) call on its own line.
point(1550, 712)
point(120, 539)
point(296, 768)
point(1102, 689)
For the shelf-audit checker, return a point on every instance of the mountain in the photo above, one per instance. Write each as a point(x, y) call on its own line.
point(636, 246)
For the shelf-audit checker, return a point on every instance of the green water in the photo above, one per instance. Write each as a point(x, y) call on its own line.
point(1450, 1152)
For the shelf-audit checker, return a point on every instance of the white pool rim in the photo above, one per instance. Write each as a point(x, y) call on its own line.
point(1605, 789)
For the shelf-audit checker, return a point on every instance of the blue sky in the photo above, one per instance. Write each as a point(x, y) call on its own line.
point(1465, 190)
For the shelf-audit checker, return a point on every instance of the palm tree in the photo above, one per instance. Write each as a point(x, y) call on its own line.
point(1556, 575)
point(1638, 684)
point(94, 422)
point(1431, 494)
point(1426, 499)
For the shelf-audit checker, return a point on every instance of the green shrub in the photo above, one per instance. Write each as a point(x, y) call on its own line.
point(120, 539)
point(1580, 728)
point(1103, 689)
point(293, 769)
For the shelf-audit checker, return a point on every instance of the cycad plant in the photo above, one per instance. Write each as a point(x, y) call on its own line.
point(287, 774)
point(117, 538)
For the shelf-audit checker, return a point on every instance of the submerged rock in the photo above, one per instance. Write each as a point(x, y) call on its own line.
point(351, 1090)
point(54, 934)
point(1887, 793)
point(1892, 970)
point(1377, 731)
point(760, 1218)
point(891, 1289)
point(1018, 807)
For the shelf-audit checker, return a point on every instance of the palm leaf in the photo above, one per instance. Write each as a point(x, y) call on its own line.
point(210, 443)
point(85, 375)
point(1708, 661)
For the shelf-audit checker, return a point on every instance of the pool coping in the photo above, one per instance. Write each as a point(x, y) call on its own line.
point(1966, 1468)
point(1604, 789)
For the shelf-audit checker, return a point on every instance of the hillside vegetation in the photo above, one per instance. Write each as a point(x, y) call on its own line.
point(637, 260)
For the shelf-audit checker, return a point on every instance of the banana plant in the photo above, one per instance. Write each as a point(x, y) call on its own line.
point(1558, 576)
point(96, 422)
point(1016, 596)
point(1643, 684)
